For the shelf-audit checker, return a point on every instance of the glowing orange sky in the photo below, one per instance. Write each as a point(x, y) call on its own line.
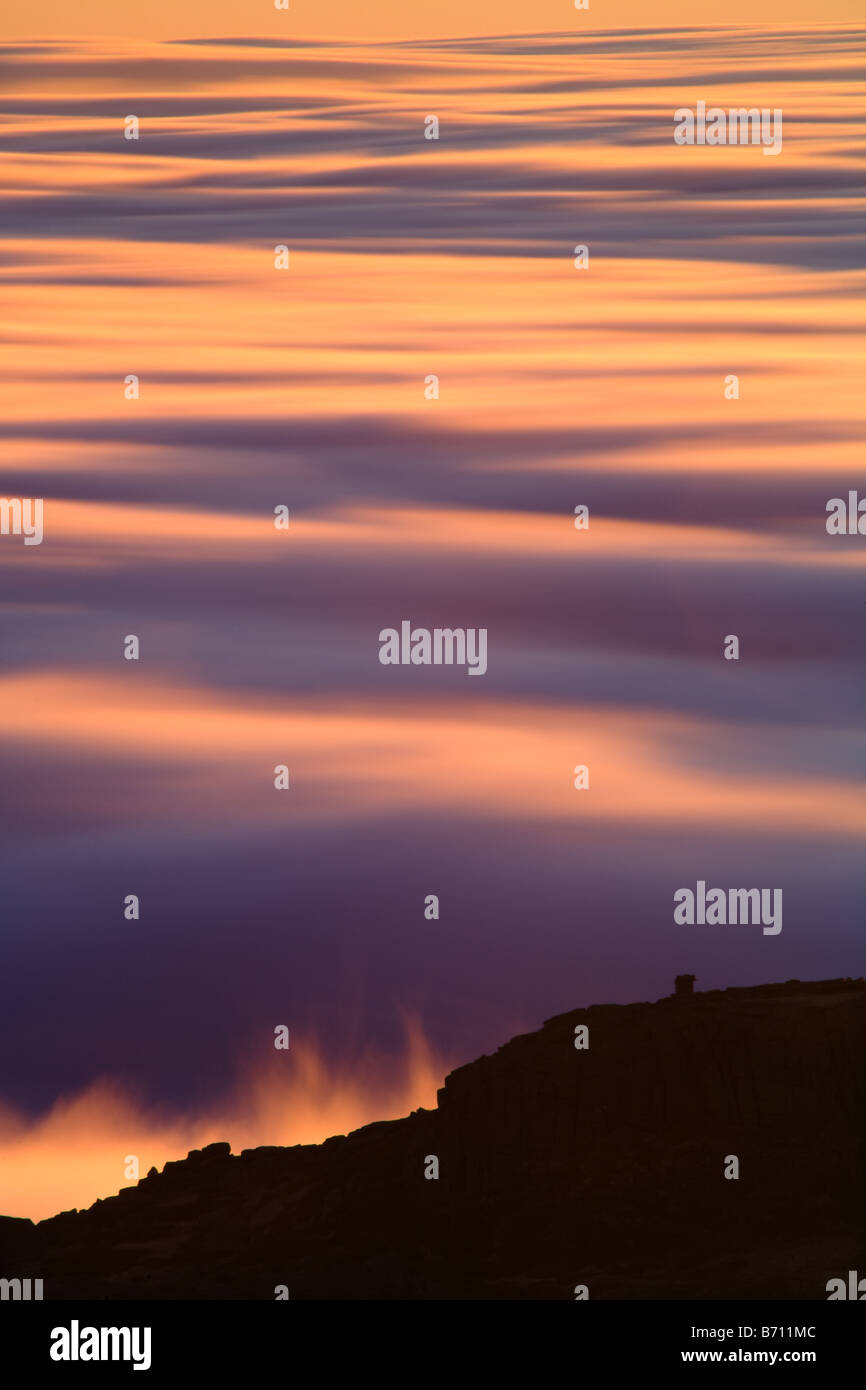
point(631, 356)
point(367, 19)
point(78, 1151)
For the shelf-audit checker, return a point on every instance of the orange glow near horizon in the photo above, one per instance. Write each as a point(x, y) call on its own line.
point(78, 1150)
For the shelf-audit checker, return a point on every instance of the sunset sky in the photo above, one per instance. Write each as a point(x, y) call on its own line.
point(401, 19)
point(305, 387)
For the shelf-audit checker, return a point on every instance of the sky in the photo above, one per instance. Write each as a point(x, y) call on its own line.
point(398, 19)
point(305, 388)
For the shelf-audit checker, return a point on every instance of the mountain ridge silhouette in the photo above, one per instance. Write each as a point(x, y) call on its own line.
point(598, 1167)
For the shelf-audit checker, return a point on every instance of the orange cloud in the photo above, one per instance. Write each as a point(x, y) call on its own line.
point(353, 757)
point(346, 19)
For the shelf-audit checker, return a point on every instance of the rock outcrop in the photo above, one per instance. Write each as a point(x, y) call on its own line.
point(592, 1152)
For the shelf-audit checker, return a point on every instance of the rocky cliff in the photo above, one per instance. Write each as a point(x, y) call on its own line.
point(600, 1165)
